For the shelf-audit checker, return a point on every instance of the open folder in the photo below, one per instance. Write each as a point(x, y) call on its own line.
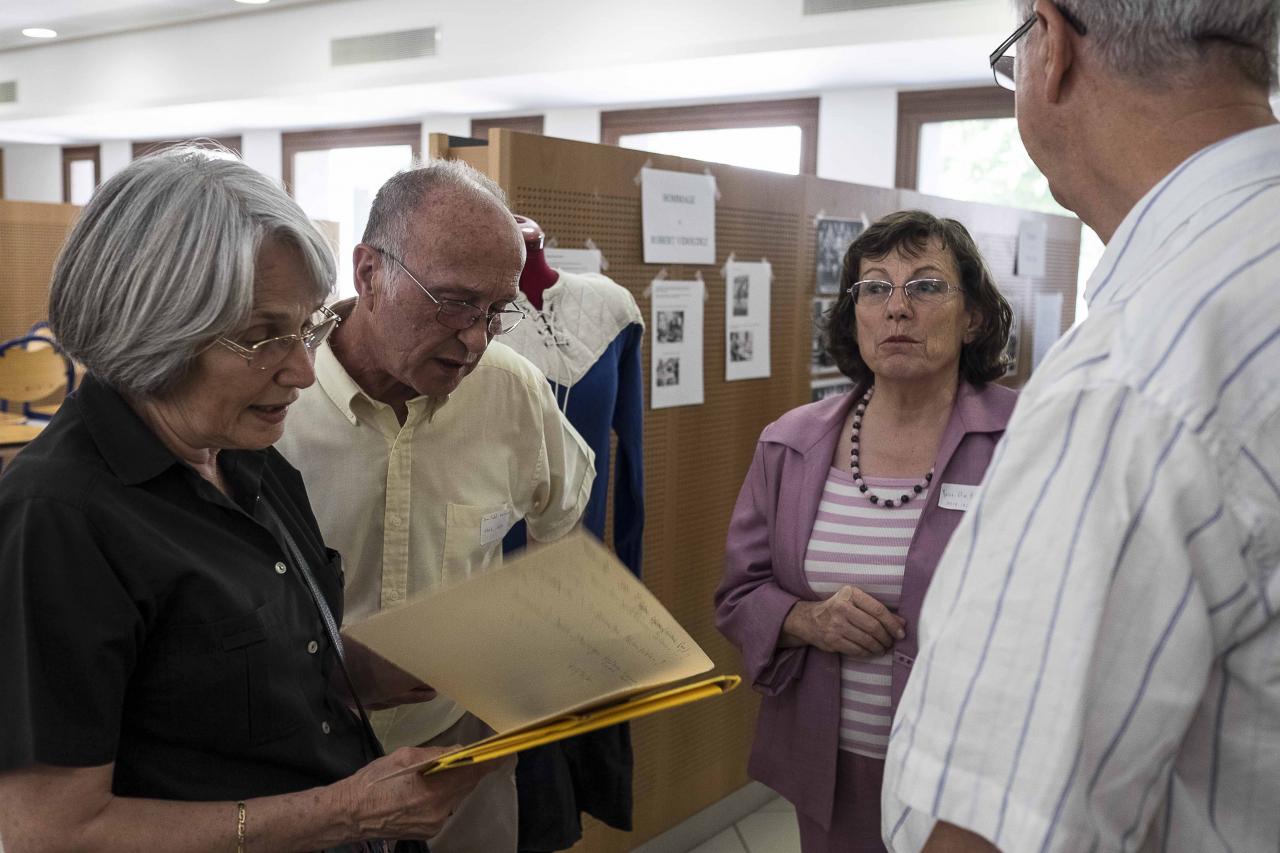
point(560, 640)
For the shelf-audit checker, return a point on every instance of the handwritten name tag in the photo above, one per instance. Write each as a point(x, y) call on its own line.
point(956, 496)
point(494, 526)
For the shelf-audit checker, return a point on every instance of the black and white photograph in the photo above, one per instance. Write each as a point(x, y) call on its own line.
point(741, 346)
point(741, 295)
point(829, 388)
point(667, 371)
point(670, 327)
point(820, 360)
point(834, 237)
point(1011, 347)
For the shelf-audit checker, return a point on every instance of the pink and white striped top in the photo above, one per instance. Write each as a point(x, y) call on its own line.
point(856, 543)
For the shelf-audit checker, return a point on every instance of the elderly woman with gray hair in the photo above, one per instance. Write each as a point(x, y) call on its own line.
point(171, 676)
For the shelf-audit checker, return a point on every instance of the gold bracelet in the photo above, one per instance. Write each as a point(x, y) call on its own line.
point(240, 827)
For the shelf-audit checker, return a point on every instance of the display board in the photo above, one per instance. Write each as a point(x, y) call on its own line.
point(31, 234)
point(696, 456)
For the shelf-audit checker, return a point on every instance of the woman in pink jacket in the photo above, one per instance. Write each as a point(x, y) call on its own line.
point(846, 509)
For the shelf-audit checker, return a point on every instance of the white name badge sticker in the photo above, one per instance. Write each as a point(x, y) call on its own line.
point(494, 526)
point(956, 496)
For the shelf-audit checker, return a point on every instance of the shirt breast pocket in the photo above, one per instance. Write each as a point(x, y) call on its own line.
point(229, 683)
point(473, 539)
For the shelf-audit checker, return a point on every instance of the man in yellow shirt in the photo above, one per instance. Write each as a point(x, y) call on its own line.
point(423, 440)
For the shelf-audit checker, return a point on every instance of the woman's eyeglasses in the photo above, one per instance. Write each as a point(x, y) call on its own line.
point(272, 352)
point(876, 292)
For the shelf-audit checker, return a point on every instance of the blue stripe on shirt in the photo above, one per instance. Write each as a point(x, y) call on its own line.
point(995, 618)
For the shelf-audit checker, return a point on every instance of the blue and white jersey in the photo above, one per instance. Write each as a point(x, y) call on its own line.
point(1100, 665)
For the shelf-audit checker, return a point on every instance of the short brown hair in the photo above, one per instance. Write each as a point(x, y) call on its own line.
point(911, 232)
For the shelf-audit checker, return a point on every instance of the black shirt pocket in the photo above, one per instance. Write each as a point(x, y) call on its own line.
point(228, 683)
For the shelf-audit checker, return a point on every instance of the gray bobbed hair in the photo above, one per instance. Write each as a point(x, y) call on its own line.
point(162, 262)
point(406, 193)
point(1166, 42)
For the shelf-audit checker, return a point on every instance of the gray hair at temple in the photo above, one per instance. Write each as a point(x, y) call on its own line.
point(1167, 42)
point(162, 262)
point(407, 193)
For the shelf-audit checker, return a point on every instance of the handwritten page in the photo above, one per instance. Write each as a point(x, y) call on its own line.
point(559, 628)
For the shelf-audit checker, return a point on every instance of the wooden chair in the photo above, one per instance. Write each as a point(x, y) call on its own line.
point(32, 368)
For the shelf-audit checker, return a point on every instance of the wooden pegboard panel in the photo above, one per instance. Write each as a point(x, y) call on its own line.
point(30, 236)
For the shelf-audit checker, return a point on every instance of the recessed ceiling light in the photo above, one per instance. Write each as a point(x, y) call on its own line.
point(253, 2)
point(40, 33)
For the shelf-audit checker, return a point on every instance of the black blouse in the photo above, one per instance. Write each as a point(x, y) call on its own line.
point(148, 620)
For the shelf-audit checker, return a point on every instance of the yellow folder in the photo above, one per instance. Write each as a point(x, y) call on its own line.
point(581, 722)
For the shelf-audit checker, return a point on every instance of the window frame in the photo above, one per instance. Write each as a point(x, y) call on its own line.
point(916, 109)
point(75, 153)
point(803, 112)
point(353, 137)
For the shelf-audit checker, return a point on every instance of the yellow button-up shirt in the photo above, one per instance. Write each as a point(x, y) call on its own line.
point(415, 506)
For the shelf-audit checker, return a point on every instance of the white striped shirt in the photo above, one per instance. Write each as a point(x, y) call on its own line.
point(1100, 665)
point(857, 543)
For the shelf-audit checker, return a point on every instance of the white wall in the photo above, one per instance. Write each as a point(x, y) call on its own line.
point(113, 156)
point(580, 124)
point(261, 150)
point(453, 125)
point(33, 173)
point(858, 135)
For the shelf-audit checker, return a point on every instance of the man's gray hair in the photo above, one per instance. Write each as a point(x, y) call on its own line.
point(1166, 42)
point(162, 262)
point(406, 193)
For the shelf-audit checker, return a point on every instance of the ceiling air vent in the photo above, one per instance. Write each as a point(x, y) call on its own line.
point(382, 47)
point(821, 7)
point(9, 92)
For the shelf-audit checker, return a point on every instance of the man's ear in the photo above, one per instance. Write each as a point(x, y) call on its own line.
point(1057, 49)
point(366, 263)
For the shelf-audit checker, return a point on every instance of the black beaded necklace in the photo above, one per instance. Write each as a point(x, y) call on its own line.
point(859, 410)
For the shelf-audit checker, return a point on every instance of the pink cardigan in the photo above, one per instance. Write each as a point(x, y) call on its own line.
point(797, 735)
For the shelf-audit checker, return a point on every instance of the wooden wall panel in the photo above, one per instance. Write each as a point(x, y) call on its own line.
point(31, 234)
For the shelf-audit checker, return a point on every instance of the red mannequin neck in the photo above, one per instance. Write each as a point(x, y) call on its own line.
point(537, 275)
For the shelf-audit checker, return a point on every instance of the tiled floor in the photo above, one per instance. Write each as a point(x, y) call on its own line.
point(772, 829)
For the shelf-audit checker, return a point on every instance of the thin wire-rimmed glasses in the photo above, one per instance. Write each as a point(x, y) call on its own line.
point(272, 352)
point(458, 315)
point(1002, 58)
point(873, 291)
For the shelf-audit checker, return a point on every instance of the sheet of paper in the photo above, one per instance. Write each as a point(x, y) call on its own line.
point(678, 211)
point(676, 351)
point(1048, 325)
point(746, 320)
point(1033, 238)
point(574, 260)
point(556, 629)
point(834, 237)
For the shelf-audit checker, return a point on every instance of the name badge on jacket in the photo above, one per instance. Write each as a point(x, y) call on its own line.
point(956, 496)
point(494, 526)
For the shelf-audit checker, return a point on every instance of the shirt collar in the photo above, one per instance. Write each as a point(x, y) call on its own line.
point(132, 450)
point(1213, 171)
point(344, 392)
point(136, 454)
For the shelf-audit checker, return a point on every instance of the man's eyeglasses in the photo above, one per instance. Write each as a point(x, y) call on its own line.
point(928, 290)
point(272, 352)
point(1001, 59)
point(458, 315)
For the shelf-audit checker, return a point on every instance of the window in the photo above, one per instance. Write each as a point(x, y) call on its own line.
point(964, 144)
point(480, 127)
point(334, 175)
point(780, 136)
point(81, 172)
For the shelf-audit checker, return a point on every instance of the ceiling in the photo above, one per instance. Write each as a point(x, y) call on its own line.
point(84, 18)
point(215, 67)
